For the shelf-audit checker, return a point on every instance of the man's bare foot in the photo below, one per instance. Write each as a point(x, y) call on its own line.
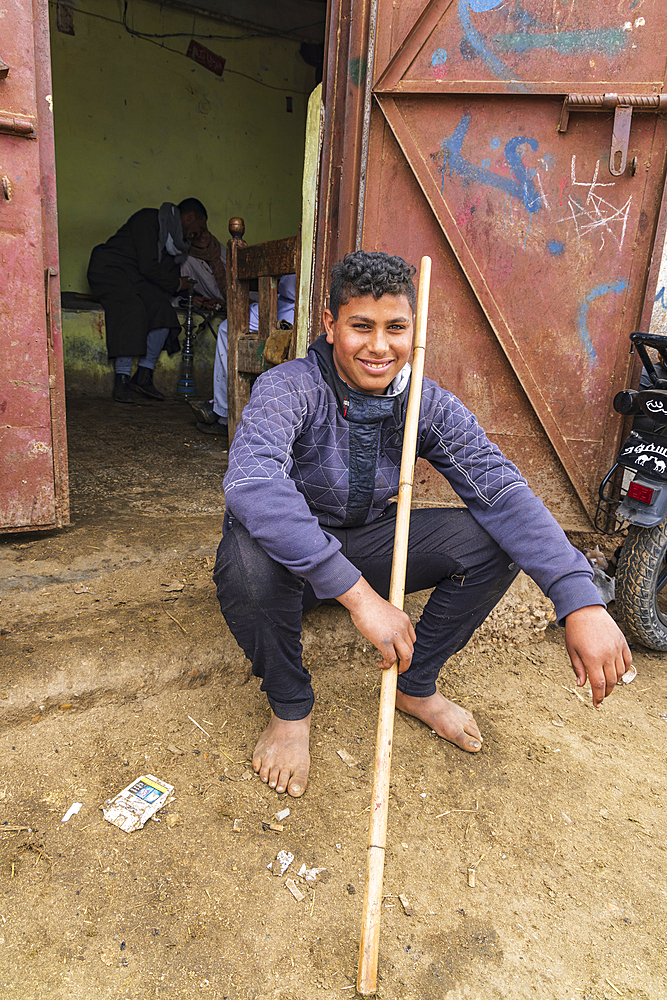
point(281, 757)
point(450, 721)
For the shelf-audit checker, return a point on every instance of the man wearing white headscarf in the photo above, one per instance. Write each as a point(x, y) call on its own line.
point(134, 275)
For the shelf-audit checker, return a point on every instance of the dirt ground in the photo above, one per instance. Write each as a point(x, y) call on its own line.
point(112, 647)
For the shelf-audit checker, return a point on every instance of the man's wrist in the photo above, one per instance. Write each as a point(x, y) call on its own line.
point(357, 595)
point(588, 609)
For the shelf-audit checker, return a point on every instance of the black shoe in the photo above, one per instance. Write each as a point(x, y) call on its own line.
point(204, 411)
point(121, 389)
point(218, 429)
point(142, 381)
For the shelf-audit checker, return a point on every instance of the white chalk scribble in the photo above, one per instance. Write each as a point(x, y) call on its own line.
point(590, 211)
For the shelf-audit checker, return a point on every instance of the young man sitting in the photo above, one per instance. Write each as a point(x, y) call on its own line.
point(312, 472)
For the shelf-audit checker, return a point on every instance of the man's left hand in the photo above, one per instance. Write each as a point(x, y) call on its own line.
point(597, 648)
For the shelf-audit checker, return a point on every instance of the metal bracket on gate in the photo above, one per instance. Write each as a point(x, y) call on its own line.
point(4, 68)
point(622, 105)
point(17, 125)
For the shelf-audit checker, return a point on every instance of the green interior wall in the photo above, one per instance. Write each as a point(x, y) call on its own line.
point(138, 123)
point(89, 373)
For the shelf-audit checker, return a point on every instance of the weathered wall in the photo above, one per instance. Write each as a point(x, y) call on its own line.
point(138, 123)
point(89, 373)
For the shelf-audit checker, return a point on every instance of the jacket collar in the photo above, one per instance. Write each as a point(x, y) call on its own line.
point(360, 407)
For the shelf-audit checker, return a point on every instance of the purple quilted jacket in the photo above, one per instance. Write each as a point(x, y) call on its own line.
point(310, 452)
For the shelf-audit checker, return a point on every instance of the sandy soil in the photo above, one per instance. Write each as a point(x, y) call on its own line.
point(112, 643)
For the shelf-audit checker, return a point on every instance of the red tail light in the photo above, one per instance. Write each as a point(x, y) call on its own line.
point(642, 493)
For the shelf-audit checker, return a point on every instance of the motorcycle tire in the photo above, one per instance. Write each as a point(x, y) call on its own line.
point(641, 585)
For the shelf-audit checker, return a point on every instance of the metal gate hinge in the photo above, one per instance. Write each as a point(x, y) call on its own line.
point(17, 125)
point(622, 105)
point(51, 272)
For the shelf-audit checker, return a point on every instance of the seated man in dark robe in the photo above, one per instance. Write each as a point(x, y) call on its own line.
point(134, 275)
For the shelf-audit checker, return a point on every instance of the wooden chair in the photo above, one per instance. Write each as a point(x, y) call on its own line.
point(266, 262)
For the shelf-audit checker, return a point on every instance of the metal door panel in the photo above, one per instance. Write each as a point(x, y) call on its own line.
point(540, 255)
point(33, 484)
point(537, 231)
point(460, 353)
point(496, 46)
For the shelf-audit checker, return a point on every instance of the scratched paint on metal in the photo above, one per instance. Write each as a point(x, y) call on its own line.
point(519, 44)
point(27, 486)
point(541, 225)
point(606, 288)
point(463, 356)
point(539, 254)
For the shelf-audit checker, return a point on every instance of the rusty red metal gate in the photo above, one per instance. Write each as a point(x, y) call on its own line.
point(33, 452)
point(522, 146)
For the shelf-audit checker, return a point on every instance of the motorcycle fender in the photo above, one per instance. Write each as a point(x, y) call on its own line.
point(642, 514)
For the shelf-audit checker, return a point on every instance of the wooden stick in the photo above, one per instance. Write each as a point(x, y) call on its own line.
point(369, 944)
point(198, 726)
point(175, 620)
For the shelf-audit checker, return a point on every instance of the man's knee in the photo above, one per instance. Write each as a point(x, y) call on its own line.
point(490, 567)
point(454, 536)
point(245, 575)
point(476, 548)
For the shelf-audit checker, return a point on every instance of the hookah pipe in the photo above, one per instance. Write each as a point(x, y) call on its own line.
point(186, 383)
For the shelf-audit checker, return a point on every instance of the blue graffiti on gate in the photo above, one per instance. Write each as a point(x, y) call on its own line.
point(582, 316)
point(660, 297)
point(478, 44)
point(519, 185)
point(609, 41)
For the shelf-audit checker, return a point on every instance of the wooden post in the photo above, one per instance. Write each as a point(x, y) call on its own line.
point(268, 305)
point(369, 945)
point(237, 322)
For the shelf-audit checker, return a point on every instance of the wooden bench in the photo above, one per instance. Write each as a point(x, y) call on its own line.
point(267, 263)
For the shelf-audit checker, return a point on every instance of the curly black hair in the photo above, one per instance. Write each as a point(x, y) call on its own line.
point(193, 205)
point(377, 274)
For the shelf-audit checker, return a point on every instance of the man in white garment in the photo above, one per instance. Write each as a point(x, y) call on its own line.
point(205, 262)
point(212, 414)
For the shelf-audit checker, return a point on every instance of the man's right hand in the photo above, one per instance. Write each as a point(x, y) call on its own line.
point(388, 628)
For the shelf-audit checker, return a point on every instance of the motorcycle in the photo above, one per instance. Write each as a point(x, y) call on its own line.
point(634, 494)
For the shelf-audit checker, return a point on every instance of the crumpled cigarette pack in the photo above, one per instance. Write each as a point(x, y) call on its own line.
point(140, 800)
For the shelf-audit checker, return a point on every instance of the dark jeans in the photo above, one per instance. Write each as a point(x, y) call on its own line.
point(262, 602)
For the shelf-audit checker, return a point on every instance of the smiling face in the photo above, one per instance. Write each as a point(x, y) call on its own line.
point(195, 230)
point(372, 340)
